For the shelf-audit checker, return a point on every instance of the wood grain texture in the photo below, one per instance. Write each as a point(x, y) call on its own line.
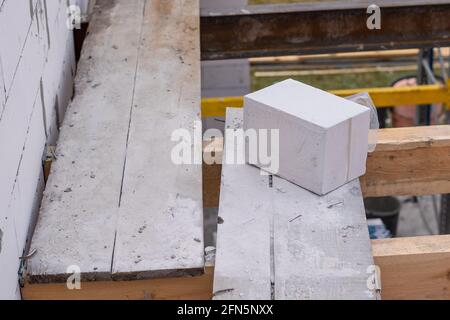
point(184, 288)
point(160, 226)
point(211, 185)
point(410, 138)
point(212, 171)
point(243, 254)
point(409, 161)
point(414, 268)
point(78, 215)
point(115, 204)
point(411, 268)
point(281, 241)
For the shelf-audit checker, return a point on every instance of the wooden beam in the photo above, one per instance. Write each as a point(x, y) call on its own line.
point(407, 161)
point(184, 288)
point(411, 268)
point(414, 268)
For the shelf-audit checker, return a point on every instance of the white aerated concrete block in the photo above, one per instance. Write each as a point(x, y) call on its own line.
point(323, 138)
point(36, 66)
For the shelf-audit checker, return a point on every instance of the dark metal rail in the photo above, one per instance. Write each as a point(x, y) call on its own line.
point(271, 30)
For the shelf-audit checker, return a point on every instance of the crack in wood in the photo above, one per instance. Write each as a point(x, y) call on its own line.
point(272, 253)
point(141, 32)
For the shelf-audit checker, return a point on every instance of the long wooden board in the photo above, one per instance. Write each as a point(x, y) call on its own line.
point(243, 253)
point(76, 223)
point(115, 204)
point(160, 228)
point(276, 240)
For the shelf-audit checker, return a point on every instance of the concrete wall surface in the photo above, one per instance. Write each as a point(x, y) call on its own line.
point(37, 67)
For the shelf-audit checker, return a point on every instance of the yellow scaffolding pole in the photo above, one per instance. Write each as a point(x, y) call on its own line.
point(382, 98)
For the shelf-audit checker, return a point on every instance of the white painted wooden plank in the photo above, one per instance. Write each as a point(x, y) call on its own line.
point(78, 216)
point(243, 257)
point(160, 230)
point(320, 247)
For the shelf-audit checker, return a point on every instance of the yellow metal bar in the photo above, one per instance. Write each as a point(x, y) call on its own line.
point(388, 97)
point(382, 97)
point(215, 107)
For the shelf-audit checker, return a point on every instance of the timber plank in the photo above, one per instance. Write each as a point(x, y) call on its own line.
point(284, 242)
point(77, 220)
point(160, 226)
point(409, 161)
point(322, 246)
point(243, 258)
point(116, 205)
point(184, 288)
point(410, 138)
